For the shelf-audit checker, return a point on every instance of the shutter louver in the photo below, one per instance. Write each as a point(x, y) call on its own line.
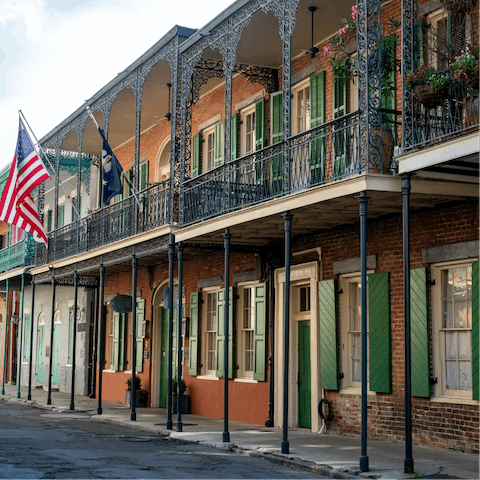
point(219, 142)
point(260, 333)
point(260, 124)
point(196, 155)
point(234, 137)
point(327, 306)
point(193, 359)
point(475, 330)
point(115, 344)
point(220, 346)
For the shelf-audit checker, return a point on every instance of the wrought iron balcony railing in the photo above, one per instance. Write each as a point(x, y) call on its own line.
point(323, 154)
point(458, 114)
point(110, 224)
point(18, 255)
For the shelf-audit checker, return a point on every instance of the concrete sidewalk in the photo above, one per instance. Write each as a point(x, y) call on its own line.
point(332, 455)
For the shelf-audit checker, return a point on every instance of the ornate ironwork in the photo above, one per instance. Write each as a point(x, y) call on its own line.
point(369, 80)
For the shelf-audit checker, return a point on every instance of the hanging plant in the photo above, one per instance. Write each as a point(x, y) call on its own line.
point(465, 66)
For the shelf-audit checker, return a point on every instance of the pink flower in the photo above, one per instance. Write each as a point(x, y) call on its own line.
point(327, 50)
point(342, 31)
point(338, 44)
point(347, 26)
point(354, 12)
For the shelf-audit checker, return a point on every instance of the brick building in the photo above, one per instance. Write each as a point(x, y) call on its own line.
point(328, 187)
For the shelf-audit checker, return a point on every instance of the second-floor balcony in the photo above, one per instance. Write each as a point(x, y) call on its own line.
point(324, 154)
point(18, 255)
point(108, 225)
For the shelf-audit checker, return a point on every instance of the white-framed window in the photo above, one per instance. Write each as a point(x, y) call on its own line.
point(452, 329)
point(245, 331)
point(351, 335)
point(209, 316)
point(247, 130)
point(438, 50)
point(301, 107)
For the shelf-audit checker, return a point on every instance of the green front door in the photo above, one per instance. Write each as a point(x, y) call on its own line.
point(40, 354)
point(56, 353)
point(304, 375)
point(162, 403)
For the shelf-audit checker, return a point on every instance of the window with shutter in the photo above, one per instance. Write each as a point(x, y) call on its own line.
point(196, 141)
point(209, 341)
point(327, 306)
point(219, 143)
point(143, 175)
point(317, 114)
point(340, 138)
point(276, 135)
point(61, 215)
point(260, 124)
point(220, 334)
point(248, 130)
point(193, 358)
point(301, 107)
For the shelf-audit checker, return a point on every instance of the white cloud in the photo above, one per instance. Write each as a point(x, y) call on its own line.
point(30, 12)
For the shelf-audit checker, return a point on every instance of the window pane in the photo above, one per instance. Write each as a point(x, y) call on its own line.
point(451, 375)
point(464, 345)
point(451, 351)
point(356, 371)
point(465, 376)
point(305, 299)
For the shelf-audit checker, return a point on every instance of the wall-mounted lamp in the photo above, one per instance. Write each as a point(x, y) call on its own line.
point(14, 319)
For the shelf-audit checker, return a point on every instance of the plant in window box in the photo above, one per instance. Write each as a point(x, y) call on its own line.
point(429, 87)
point(184, 399)
point(141, 396)
point(465, 66)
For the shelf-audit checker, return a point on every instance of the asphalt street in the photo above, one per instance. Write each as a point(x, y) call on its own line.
point(36, 443)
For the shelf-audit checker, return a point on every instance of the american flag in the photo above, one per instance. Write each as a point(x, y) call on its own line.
point(27, 172)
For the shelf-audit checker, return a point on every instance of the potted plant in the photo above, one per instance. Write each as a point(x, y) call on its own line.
point(184, 399)
point(141, 396)
point(429, 87)
point(465, 66)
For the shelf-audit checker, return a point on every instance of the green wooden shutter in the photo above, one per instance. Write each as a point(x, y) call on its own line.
point(121, 343)
point(389, 95)
point(26, 354)
point(128, 191)
point(260, 332)
point(196, 155)
point(379, 332)
point(61, 215)
point(234, 137)
point(328, 334)
point(219, 352)
point(276, 116)
point(317, 99)
point(340, 138)
point(317, 117)
point(219, 142)
point(116, 337)
point(139, 335)
point(193, 359)
point(260, 124)
point(420, 363)
point(475, 331)
point(420, 60)
point(143, 175)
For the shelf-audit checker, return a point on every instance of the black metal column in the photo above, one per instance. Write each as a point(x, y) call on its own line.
point(133, 392)
point(101, 338)
point(6, 337)
point(49, 397)
point(171, 257)
point(179, 337)
point(29, 395)
point(22, 321)
point(226, 236)
point(74, 346)
point(288, 227)
point(408, 463)
point(363, 200)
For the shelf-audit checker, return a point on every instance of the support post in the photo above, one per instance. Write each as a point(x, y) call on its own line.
point(29, 395)
point(179, 338)
point(20, 319)
point(363, 200)
point(408, 463)
point(288, 227)
point(6, 337)
point(227, 236)
point(101, 339)
point(133, 393)
point(49, 396)
point(74, 346)
point(171, 256)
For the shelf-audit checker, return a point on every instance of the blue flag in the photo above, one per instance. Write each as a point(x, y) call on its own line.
point(112, 172)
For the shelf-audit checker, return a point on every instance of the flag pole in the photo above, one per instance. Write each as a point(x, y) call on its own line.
point(24, 121)
point(130, 184)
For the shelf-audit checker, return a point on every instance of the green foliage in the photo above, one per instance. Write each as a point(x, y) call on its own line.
point(183, 386)
point(138, 383)
point(467, 59)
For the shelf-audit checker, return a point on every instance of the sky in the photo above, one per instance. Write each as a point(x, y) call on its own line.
point(55, 54)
